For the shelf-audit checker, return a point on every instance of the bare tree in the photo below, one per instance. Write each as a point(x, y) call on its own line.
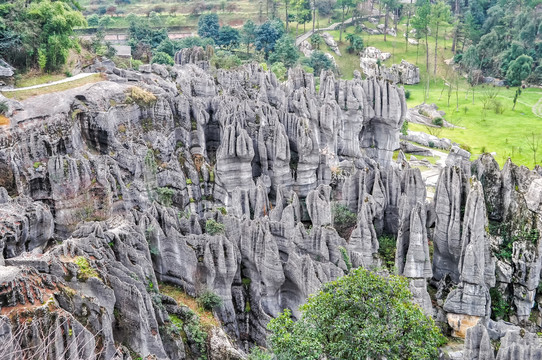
point(533, 143)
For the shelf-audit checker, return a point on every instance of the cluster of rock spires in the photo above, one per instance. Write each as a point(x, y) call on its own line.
point(402, 73)
point(226, 181)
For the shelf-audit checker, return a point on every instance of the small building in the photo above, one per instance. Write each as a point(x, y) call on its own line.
point(123, 51)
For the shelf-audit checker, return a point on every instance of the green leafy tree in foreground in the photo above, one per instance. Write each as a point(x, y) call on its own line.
point(360, 316)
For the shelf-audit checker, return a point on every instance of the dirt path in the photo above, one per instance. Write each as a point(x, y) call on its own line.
point(537, 108)
point(73, 78)
point(430, 176)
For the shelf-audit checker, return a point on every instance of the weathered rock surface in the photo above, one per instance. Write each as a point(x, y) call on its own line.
point(228, 181)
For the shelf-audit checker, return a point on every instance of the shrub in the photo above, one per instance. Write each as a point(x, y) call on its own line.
point(438, 121)
point(165, 195)
point(225, 60)
point(431, 144)
point(209, 300)
point(140, 96)
point(344, 220)
point(259, 354)
point(407, 94)
point(85, 270)
point(162, 58)
point(386, 250)
point(404, 128)
point(3, 108)
point(213, 227)
point(359, 316)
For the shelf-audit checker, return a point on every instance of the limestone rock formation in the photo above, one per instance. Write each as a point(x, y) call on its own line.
point(120, 200)
point(328, 39)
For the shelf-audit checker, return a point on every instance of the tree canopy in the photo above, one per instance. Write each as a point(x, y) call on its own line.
point(360, 316)
point(208, 26)
point(39, 32)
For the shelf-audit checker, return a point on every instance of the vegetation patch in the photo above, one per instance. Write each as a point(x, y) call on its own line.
point(344, 220)
point(85, 270)
point(140, 96)
point(212, 227)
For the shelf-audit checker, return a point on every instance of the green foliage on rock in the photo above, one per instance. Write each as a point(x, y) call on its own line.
point(360, 316)
point(344, 220)
point(85, 270)
point(209, 300)
point(212, 227)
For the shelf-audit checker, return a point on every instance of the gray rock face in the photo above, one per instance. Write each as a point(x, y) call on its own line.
point(476, 263)
point(135, 172)
point(24, 226)
point(477, 344)
point(328, 39)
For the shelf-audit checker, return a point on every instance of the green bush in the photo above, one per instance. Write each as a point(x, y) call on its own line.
point(165, 195)
point(438, 121)
point(162, 58)
point(259, 354)
point(407, 94)
point(344, 220)
point(359, 316)
point(209, 300)
point(85, 270)
point(212, 227)
point(404, 128)
point(3, 108)
point(386, 250)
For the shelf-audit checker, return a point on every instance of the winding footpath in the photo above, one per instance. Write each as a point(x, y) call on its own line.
point(72, 78)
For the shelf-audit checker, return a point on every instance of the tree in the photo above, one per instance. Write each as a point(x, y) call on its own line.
point(519, 70)
point(344, 5)
point(319, 61)
point(421, 23)
point(208, 26)
point(55, 21)
point(533, 143)
point(303, 13)
point(440, 13)
point(285, 52)
point(316, 40)
point(162, 58)
point(516, 96)
point(359, 316)
point(228, 37)
point(356, 43)
point(266, 35)
point(105, 21)
point(248, 34)
point(389, 5)
point(93, 20)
